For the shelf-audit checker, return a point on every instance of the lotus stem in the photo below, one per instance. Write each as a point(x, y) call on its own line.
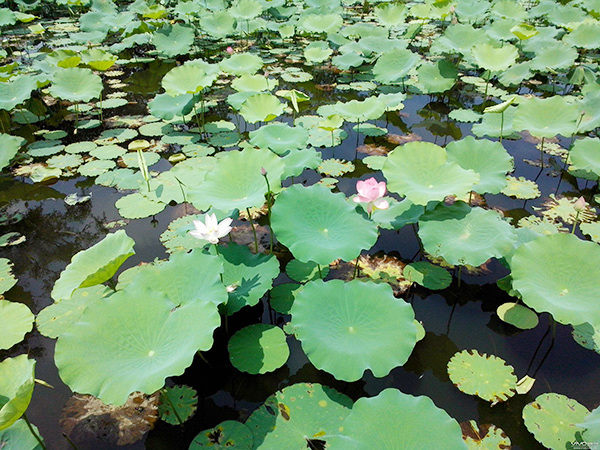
point(269, 210)
point(355, 274)
point(200, 128)
point(575, 223)
point(76, 118)
point(319, 269)
point(218, 254)
point(66, 436)
point(253, 230)
point(35, 435)
point(542, 152)
point(459, 275)
point(165, 393)
point(501, 125)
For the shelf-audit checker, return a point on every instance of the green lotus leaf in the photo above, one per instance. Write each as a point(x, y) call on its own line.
point(524, 31)
point(360, 110)
point(41, 174)
point(484, 436)
point(390, 14)
point(228, 435)
point(489, 159)
point(261, 108)
point(279, 137)
point(554, 57)
point(465, 115)
point(177, 404)
point(493, 58)
point(44, 148)
point(132, 341)
point(394, 65)
point(397, 215)
point(18, 437)
point(420, 171)
point(7, 279)
point(436, 77)
point(282, 297)
point(395, 418)
point(553, 419)
point(94, 265)
point(317, 51)
point(7, 17)
point(296, 414)
point(241, 63)
point(536, 115)
point(218, 24)
point(111, 151)
point(236, 182)
point(187, 79)
point(116, 136)
point(295, 75)
point(16, 91)
point(16, 388)
point(463, 235)
point(56, 318)
point(562, 286)
point(592, 425)
point(249, 275)
point(258, 348)
point(305, 271)
point(10, 145)
point(254, 83)
point(495, 125)
point(591, 112)
point(96, 167)
point(173, 40)
point(138, 206)
point(321, 23)
point(98, 59)
point(335, 167)
point(319, 226)
point(76, 84)
point(521, 188)
point(585, 35)
point(64, 161)
point(517, 315)
point(245, 9)
point(584, 155)
point(16, 320)
point(347, 60)
point(81, 147)
point(485, 376)
point(166, 106)
point(427, 275)
point(344, 334)
point(131, 159)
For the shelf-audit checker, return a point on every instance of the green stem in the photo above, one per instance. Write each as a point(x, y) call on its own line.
point(354, 275)
point(459, 273)
point(575, 223)
point(319, 269)
point(70, 441)
point(253, 230)
point(35, 435)
point(166, 395)
point(218, 254)
point(269, 214)
point(542, 152)
point(501, 125)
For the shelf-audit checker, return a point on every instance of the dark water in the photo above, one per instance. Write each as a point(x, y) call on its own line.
point(455, 319)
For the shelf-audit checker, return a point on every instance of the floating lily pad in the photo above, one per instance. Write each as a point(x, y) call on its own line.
point(112, 151)
point(64, 161)
point(319, 226)
point(493, 58)
point(261, 108)
point(279, 137)
point(536, 115)
point(187, 79)
point(486, 376)
point(563, 286)
point(592, 425)
point(81, 147)
point(553, 419)
point(173, 40)
point(395, 418)
point(259, 348)
point(428, 275)
point(228, 435)
point(488, 437)
point(305, 271)
point(94, 265)
point(344, 334)
point(297, 413)
point(251, 275)
point(7, 279)
point(241, 63)
point(96, 167)
point(521, 188)
point(138, 206)
point(92, 356)
point(10, 145)
point(16, 388)
point(76, 84)
point(394, 65)
point(16, 320)
point(165, 106)
point(282, 297)
point(19, 437)
point(517, 315)
point(177, 404)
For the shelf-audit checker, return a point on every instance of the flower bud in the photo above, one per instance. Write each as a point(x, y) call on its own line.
point(263, 171)
point(580, 204)
point(229, 50)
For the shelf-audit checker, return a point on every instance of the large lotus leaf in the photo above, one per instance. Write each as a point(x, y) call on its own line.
point(250, 275)
point(463, 235)
point(7, 279)
point(321, 23)
point(246, 9)
point(493, 58)
point(98, 59)
point(317, 51)
point(218, 24)
point(184, 278)
point(187, 79)
point(359, 110)
point(76, 84)
point(538, 116)
point(347, 328)
point(495, 125)
point(228, 435)
point(9, 146)
point(485, 376)
point(396, 215)
point(296, 414)
point(94, 265)
point(258, 348)
point(16, 91)
point(585, 35)
point(553, 420)
point(585, 156)
point(279, 137)
point(394, 65)
point(554, 57)
point(557, 274)
point(167, 106)
point(16, 388)
point(236, 182)
point(19, 437)
point(173, 40)
point(57, 317)
point(15, 321)
point(487, 158)
point(436, 77)
point(137, 206)
point(132, 341)
point(592, 425)
point(317, 225)
point(393, 419)
point(241, 63)
point(420, 171)
point(254, 83)
point(261, 108)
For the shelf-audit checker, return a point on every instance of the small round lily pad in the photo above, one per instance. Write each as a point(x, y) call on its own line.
point(303, 272)
point(15, 321)
point(517, 315)
point(228, 435)
point(258, 348)
point(428, 275)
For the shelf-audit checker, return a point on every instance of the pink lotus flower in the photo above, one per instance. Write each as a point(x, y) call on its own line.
point(230, 50)
point(371, 192)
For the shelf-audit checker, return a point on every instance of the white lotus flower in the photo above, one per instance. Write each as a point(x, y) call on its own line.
point(211, 230)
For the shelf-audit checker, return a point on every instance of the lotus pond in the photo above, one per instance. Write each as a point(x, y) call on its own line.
point(286, 224)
